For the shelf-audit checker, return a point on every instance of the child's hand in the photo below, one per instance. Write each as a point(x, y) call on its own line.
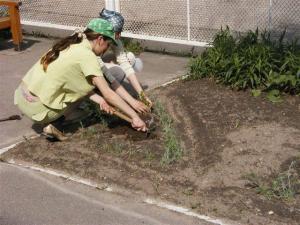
point(139, 124)
point(105, 106)
point(140, 107)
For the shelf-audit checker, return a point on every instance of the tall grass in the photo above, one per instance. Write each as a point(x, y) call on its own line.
point(173, 150)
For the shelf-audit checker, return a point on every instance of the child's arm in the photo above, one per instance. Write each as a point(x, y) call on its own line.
point(111, 97)
point(139, 106)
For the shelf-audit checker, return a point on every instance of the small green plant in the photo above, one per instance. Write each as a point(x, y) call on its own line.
point(253, 60)
point(143, 99)
point(284, 186)
point(173, 150)
point(149, 156)
point(132, 46)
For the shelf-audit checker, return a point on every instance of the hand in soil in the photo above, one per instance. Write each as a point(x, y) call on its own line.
point(139, 124)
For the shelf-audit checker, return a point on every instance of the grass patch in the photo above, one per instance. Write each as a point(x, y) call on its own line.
point(173, 150)
point(284, 186)
point(149, 155)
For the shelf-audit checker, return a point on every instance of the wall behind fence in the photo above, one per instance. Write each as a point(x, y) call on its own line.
point(189, 21)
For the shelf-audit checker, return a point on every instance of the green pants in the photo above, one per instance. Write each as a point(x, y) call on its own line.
point(36, 110)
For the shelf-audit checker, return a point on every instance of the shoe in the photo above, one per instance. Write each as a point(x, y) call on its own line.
point(51, 131)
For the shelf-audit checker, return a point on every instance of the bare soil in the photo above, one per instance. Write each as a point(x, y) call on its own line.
point(226, 135)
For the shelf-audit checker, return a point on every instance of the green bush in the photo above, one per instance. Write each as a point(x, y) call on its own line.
point(253, 60)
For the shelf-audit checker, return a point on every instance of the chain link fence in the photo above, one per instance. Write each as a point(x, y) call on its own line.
point(190, 21)
point(61, 12)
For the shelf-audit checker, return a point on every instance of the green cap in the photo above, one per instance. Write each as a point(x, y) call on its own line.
point(103, 27)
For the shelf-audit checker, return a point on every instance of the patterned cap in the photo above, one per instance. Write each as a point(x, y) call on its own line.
point(102, 27)
point(114, 17)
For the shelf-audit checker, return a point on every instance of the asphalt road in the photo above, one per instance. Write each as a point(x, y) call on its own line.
point(29, 197)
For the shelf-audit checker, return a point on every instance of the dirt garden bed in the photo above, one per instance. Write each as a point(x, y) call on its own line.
point(234, 147)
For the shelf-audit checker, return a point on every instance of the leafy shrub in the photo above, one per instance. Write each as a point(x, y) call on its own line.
point(254, 60)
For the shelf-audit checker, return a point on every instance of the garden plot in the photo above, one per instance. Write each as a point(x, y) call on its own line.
point(240, 156)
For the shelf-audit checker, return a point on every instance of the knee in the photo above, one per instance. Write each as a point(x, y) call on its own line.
point(118, 73)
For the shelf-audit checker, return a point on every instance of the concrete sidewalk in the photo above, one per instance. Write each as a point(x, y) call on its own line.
point(158, 69)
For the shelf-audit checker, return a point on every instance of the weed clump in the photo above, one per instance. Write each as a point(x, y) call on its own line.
point(254, 60)
point(173, 150)
point(284, 186)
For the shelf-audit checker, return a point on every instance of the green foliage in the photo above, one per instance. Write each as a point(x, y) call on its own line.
point(173, 150)
point(132, 46)
point(256, 93)
point(253, 60)
point(274, 96)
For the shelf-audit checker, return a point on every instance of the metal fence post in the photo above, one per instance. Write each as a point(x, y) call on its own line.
point(188, 20)
point(110, 4)
point(117, 5)
point(270, 14)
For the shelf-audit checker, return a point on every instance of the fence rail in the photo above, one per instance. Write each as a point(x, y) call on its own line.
point(191, 22)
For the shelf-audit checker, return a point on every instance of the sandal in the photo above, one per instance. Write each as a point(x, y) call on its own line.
point(52, 132)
